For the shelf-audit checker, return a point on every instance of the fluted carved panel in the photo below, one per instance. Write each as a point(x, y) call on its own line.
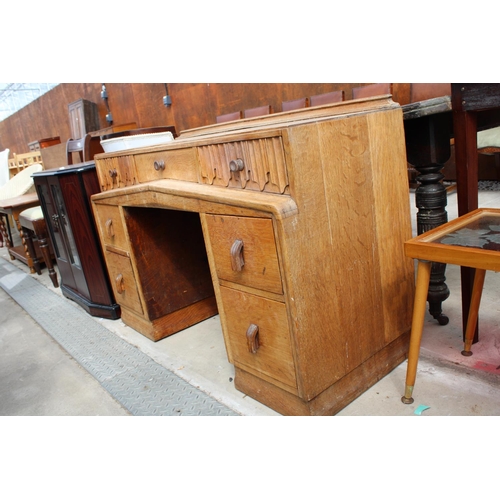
point(257, 164)
point(116, 172)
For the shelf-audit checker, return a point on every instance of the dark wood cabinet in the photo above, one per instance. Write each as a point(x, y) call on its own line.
point(65, 194)
point(83, 118)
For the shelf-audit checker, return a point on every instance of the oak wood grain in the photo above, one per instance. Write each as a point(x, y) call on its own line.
point(319, 264)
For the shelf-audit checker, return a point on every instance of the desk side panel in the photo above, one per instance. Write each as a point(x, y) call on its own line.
point(346, 300)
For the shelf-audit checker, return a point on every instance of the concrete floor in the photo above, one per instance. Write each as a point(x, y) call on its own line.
point(37, 377)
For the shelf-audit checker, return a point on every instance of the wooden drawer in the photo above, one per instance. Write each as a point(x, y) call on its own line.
point(180, 164)
point(116, 172)
point(110, 223)
point(123, 280)
point(257, 164)
point(244, 251)
point(273, 357)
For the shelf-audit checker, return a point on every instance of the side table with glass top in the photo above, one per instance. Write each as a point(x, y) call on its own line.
point(473, 241)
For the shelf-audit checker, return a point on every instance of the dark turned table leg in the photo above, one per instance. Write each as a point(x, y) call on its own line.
point(428, 149)
point(431, 200)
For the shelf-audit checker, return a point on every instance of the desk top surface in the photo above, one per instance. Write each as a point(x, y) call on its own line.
point(18, 201)
point(427, 107)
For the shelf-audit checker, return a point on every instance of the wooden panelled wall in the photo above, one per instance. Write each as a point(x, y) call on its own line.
point(193, 105)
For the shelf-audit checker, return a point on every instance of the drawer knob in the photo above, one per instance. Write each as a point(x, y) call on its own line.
point(109, 228)
point(120, 284)
point(236, 165)
point(237, 261)
point(159, 165)
point(113, 173)
point(253, 338)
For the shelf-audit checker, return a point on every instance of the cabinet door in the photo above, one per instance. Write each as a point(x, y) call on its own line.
point(83, 118)
point(76, 120)
point(89, 270)
point(51, 200)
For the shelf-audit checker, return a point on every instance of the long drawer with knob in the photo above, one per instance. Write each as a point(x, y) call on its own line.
point(128, 170)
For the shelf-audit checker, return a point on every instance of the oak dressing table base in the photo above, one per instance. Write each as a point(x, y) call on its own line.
point(303, 215)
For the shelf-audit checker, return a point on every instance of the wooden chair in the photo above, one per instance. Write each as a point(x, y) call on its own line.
point(229, 117)
point(303, 102)
point(80, 146)
point(373, 89)
point(258, 111)
point(19, 162)
point(424, 91)
point(36, 235)
point(327, 98)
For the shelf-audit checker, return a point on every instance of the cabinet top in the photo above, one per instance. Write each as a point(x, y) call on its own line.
point(69, 169)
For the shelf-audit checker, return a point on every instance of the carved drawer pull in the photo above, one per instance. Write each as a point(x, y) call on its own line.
point(109, 228)
point(159, 165)
point(253, 338)
point(236, 165)
point(113, 173)
point(120, 285)
point(237, 261)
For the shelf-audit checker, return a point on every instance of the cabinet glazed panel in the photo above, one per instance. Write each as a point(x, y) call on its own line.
point(244, 250)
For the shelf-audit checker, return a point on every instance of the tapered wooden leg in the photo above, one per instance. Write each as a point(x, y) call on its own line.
point(477, 291)
point(417, 325)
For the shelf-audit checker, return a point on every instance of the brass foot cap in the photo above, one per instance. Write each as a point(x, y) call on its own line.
point(466, 353)
point(407, 401)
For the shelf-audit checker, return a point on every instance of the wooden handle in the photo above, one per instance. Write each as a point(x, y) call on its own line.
point(236, 165)
point(109, 228)
point(120, 285)
point(253, 338)
point(237, 261)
